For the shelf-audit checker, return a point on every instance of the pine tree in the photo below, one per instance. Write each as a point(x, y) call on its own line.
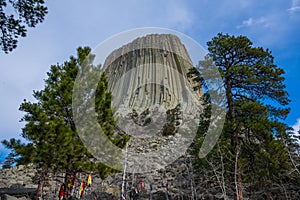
point(9, 161)
point(256, 106)
point(54, 144)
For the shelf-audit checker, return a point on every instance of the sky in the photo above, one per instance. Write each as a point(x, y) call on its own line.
point(73, 23)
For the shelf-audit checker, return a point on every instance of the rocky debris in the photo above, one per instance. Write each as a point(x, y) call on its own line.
point(8, 197)
point(101, 196)
point(20, 195)
point(179, 176)
point(17, 192)
point(18, 182)
point(20, 175)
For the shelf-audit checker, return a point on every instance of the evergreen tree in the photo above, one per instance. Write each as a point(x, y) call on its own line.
point(9, 161)
point(54, 144)
point(256, 106)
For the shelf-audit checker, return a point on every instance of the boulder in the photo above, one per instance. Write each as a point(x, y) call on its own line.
point(8, 197)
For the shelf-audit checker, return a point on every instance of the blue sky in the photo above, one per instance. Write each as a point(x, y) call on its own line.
point(74, 23)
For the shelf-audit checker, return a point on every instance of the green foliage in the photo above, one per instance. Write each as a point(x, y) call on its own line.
point(169, 128)
point(103, 107)
point(9, 161)
point(28, 13)
point(141, 119)
point(253, 128)
point(194, 72)
point(54, 143)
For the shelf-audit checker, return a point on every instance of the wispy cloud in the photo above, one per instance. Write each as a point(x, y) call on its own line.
point(261, 21)
point(295, 7)
point(296, 126)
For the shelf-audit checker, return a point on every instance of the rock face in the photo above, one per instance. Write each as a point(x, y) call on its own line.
point(148, 76)
point(151, 70)
point(154, 99)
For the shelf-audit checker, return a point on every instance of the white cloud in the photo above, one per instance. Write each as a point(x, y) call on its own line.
point(261, 21)
point(294, 9)
point(248, 22)
point(296, 126)
point(295, 6)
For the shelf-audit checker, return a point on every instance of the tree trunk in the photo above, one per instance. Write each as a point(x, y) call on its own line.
point(41, 183)
point(238, 177)
point(67, 175)
point(234, 140)
point(240, 183)
point(234, 134)
point(66, 181)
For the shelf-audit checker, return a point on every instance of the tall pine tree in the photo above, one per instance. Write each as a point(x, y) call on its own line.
point(53, 142)
point(256, 106)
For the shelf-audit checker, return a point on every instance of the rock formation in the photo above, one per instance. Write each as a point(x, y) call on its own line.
point(151, 70)
point(154, 98)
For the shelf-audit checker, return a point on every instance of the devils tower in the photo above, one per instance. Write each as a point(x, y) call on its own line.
point(151, 72)
point(155, 99)
point(149, 61)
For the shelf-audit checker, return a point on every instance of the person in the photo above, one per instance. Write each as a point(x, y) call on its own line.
point(61, 194)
